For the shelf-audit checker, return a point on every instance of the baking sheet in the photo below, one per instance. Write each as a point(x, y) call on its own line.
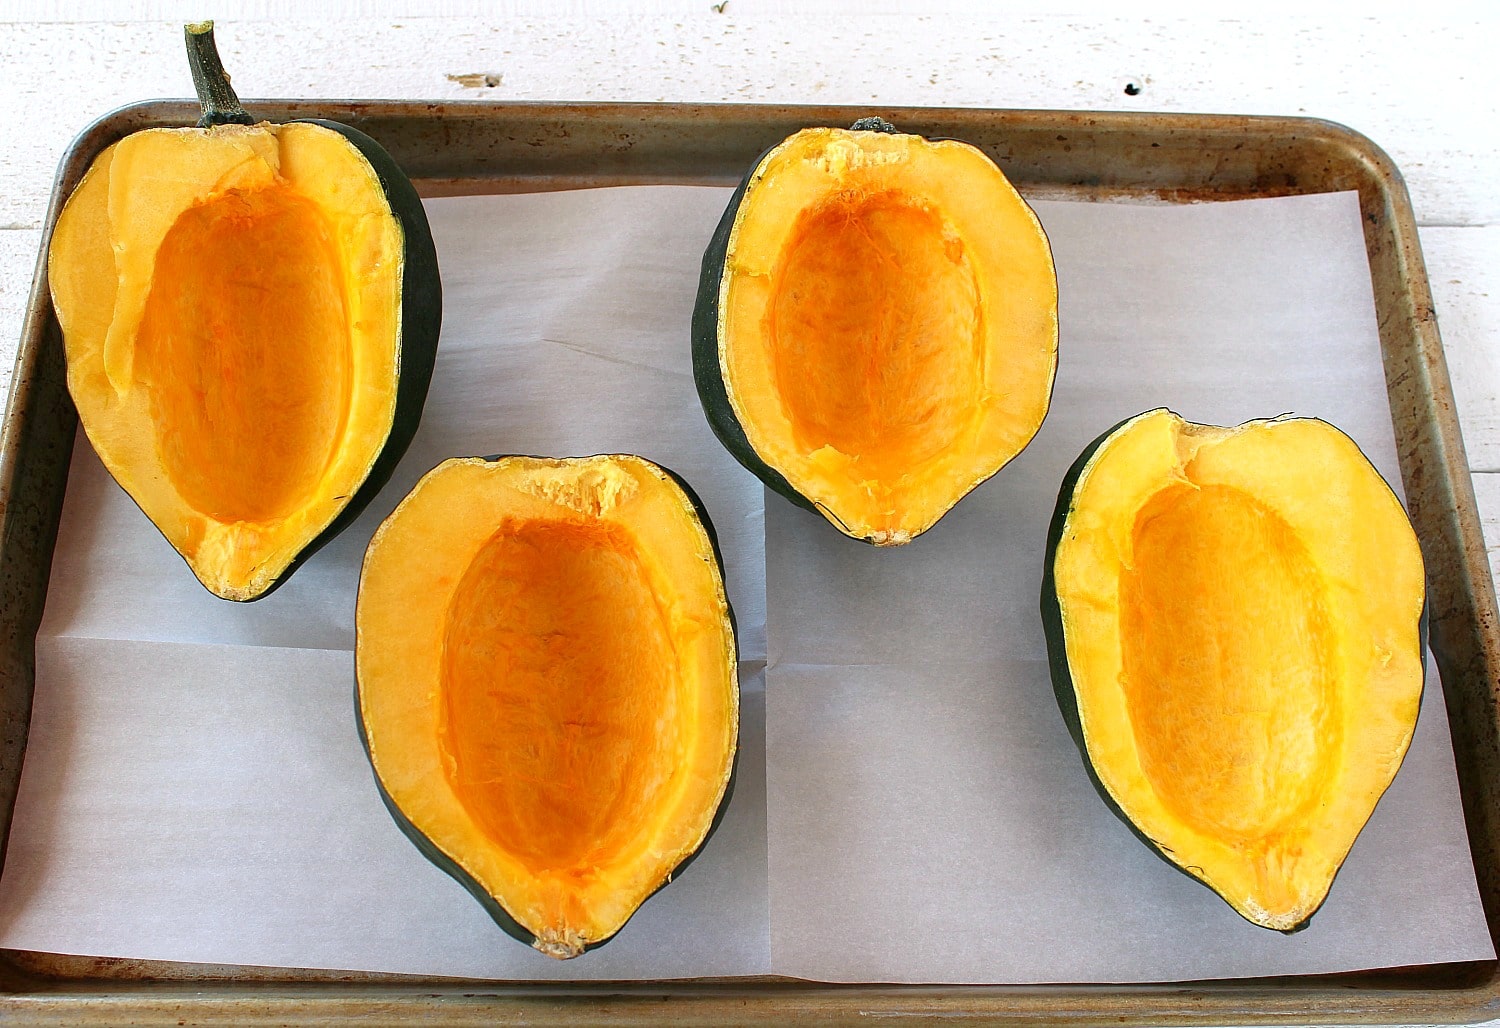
point(923, 821)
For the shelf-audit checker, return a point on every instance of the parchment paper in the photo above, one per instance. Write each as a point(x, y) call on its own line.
point(194, 788)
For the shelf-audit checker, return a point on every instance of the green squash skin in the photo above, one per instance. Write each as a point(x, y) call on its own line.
point(708, 376)
point(448, 865)
point(421, 324)
point(1062, 679)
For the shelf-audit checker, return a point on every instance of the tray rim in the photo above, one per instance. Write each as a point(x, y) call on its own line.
point(1298, 998)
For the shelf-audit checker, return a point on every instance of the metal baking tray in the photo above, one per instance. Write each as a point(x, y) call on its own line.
point(456, 148)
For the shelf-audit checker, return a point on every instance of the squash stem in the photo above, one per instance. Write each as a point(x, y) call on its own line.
point(220, 104)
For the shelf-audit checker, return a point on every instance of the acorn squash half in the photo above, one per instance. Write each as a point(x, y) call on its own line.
point(547, 685)
point(876, 326)
point(1235, 621)
point(250, 316)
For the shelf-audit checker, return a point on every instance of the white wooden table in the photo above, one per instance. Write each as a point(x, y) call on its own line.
point(1423, 81)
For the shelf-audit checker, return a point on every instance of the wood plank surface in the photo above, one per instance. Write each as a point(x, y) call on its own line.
point(1426, 90)
point(1463, 266)
point(18, 255)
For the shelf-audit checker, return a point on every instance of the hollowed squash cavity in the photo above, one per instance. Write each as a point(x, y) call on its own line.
point(547, 685)
point(1234, 618)
point(244, 349)
point(876, 331)
point(557, 670)
point(1231, 700)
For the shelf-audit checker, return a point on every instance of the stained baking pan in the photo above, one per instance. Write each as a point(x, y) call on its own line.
point(483, 148)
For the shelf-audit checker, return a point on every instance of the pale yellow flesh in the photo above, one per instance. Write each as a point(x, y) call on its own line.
point(888, 324)
point(1241, 614)
point(230, 305)
point(547, 681)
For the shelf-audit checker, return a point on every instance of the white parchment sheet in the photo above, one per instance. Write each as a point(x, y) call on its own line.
point(908, 806)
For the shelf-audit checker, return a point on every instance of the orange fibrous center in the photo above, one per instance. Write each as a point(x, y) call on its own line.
point(245, 351)
point(875, 331)
point(560, 685)
point(1224, 632)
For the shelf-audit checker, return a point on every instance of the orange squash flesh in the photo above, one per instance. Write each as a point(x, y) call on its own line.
point(1235, 621)
point(244, 347)
point(548, 685)
point(874, 332)
point(886, 326)
point(557, 666)
point(1237, 716)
